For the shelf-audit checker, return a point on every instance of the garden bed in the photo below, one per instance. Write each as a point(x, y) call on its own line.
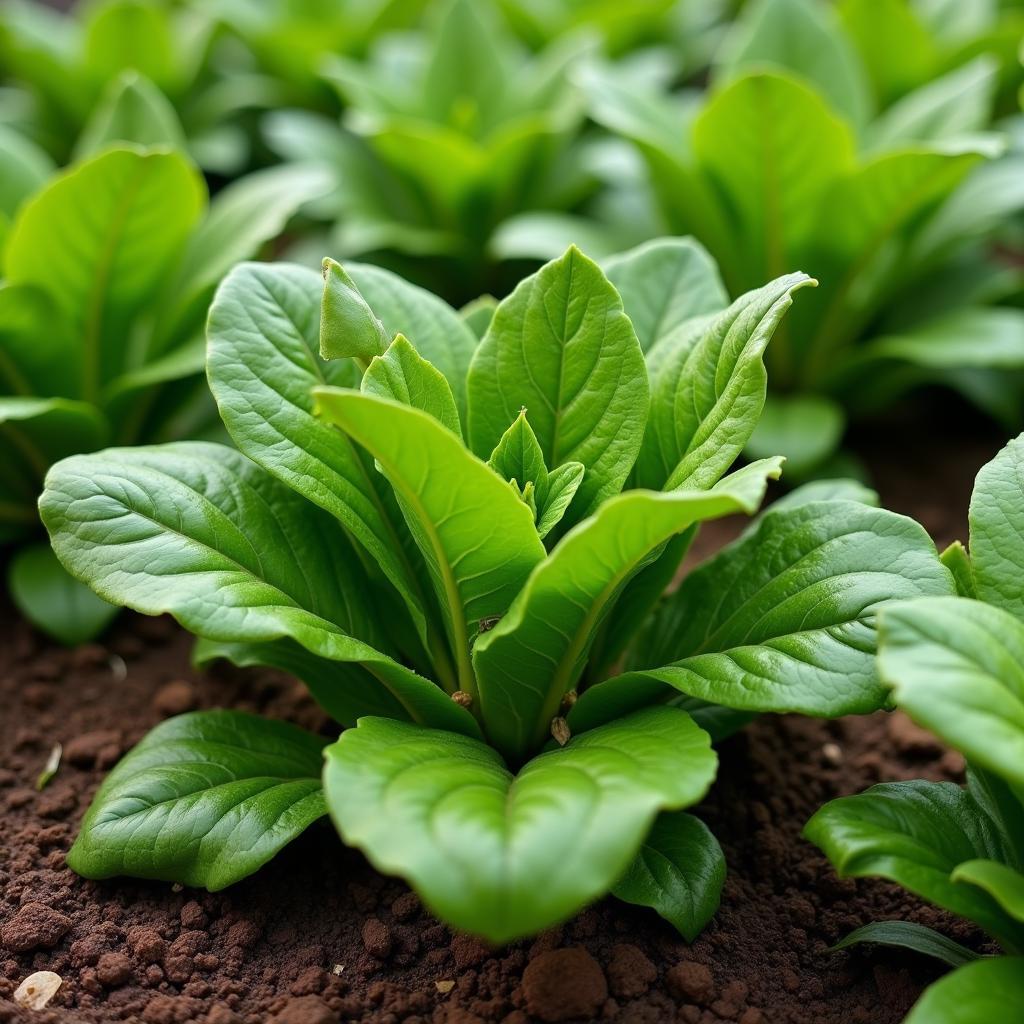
point(318, 936)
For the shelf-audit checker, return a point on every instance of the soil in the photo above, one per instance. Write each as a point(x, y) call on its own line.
point(318, 937)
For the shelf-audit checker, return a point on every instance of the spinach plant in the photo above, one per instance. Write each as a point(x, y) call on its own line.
point(795, 157)
point(448, 542)
point(105, 279)
point(955, 666)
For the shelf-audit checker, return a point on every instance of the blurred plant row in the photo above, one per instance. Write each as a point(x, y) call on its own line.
point(146, 146)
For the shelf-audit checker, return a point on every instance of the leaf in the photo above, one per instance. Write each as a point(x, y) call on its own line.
point(663, 283)
point(679, 872)
point(958, 562)
point(915, 834)
point(528, 662)
point(476, 315)
point(782, 619)
point(53, 601)
point(263, 364)
point(402, 375)
point(563, 483)
point(805, 38)
point(435, 329)
point(997, 530)
point(979, 993)
point(476, 536)
point(24, 167)
point(123, 34)
point(348, 327)
point(1001, 882)
point(517, 456)
point(503, 855)
point(957, 668)
point(199, 531)
point(805, 429)
point(915, 937)
point(561, 347)
point(205, 799)
point(708, 392)
point(132, 110)
point(122, 219)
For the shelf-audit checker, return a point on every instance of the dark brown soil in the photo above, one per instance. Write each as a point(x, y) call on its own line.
point(319, 937)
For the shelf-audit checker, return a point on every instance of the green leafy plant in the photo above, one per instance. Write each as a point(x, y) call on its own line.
point(955, 666)
point(800, 155)
point(105, 280)
point(449, 540)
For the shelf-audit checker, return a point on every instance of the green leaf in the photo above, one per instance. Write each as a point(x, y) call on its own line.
point(997, 530)
point(476, 315)
point(402, 375)
point(563, 483)
point(122, 219)
point(1000, 881)
point(205, 799)
point(199, 531)
point(53, 601)
point(517, 456)
point(826, 490)
point(348, 327)
point(805, 429)
point(435, 330)
point(908, 935)
point(916, 834)
point(956, 559)
point(957, 667)
point(805, 38)
point(132, 110)
point(664, 283)
point(477, 537)
point(679, 872)
point(979, 993)
point(503, 855)
point(561, 347)
point(24, 167)
point(263, 363)
point(708, 391)
point(528, 662)
point(782, 619)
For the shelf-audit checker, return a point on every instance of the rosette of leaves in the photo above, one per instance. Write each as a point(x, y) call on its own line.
point(106, 276)
point(955, 666)
point(447, 540)
point(802, 154)
point(448, 132)
point(57, 68)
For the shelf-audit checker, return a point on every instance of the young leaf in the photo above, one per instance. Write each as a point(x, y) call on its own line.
point(348, 327)
point(679, 872)
point(997, 530)
point(517, 456)
point(957, 668)
point(979, 993)
point(199, 531)
point(54, 601)
point(473, 839)
point(908, 935)
point(528, 662)
point(664, 283)
point(709, 388)
point(205, 799)
point(956, 559)
point(477, 537)
point(563, 483)
point(561, 347)
point(402, 375)
point(916, 834)
point(781, 620)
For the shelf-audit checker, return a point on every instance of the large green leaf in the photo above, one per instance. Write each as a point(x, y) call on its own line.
point(201, 532)
point(476, 536)
point(980, 993)
point(917, 834)
point(997, 530)
point(679, 872)
point(957, 667)
point(664, 283)
point(205, 800)
point(121, 220)
point(781, 620)
point(528, 662)
point(263, 364)
point(562, 347)
point(1004, 884)
point(504, 855)
point(708, 389)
